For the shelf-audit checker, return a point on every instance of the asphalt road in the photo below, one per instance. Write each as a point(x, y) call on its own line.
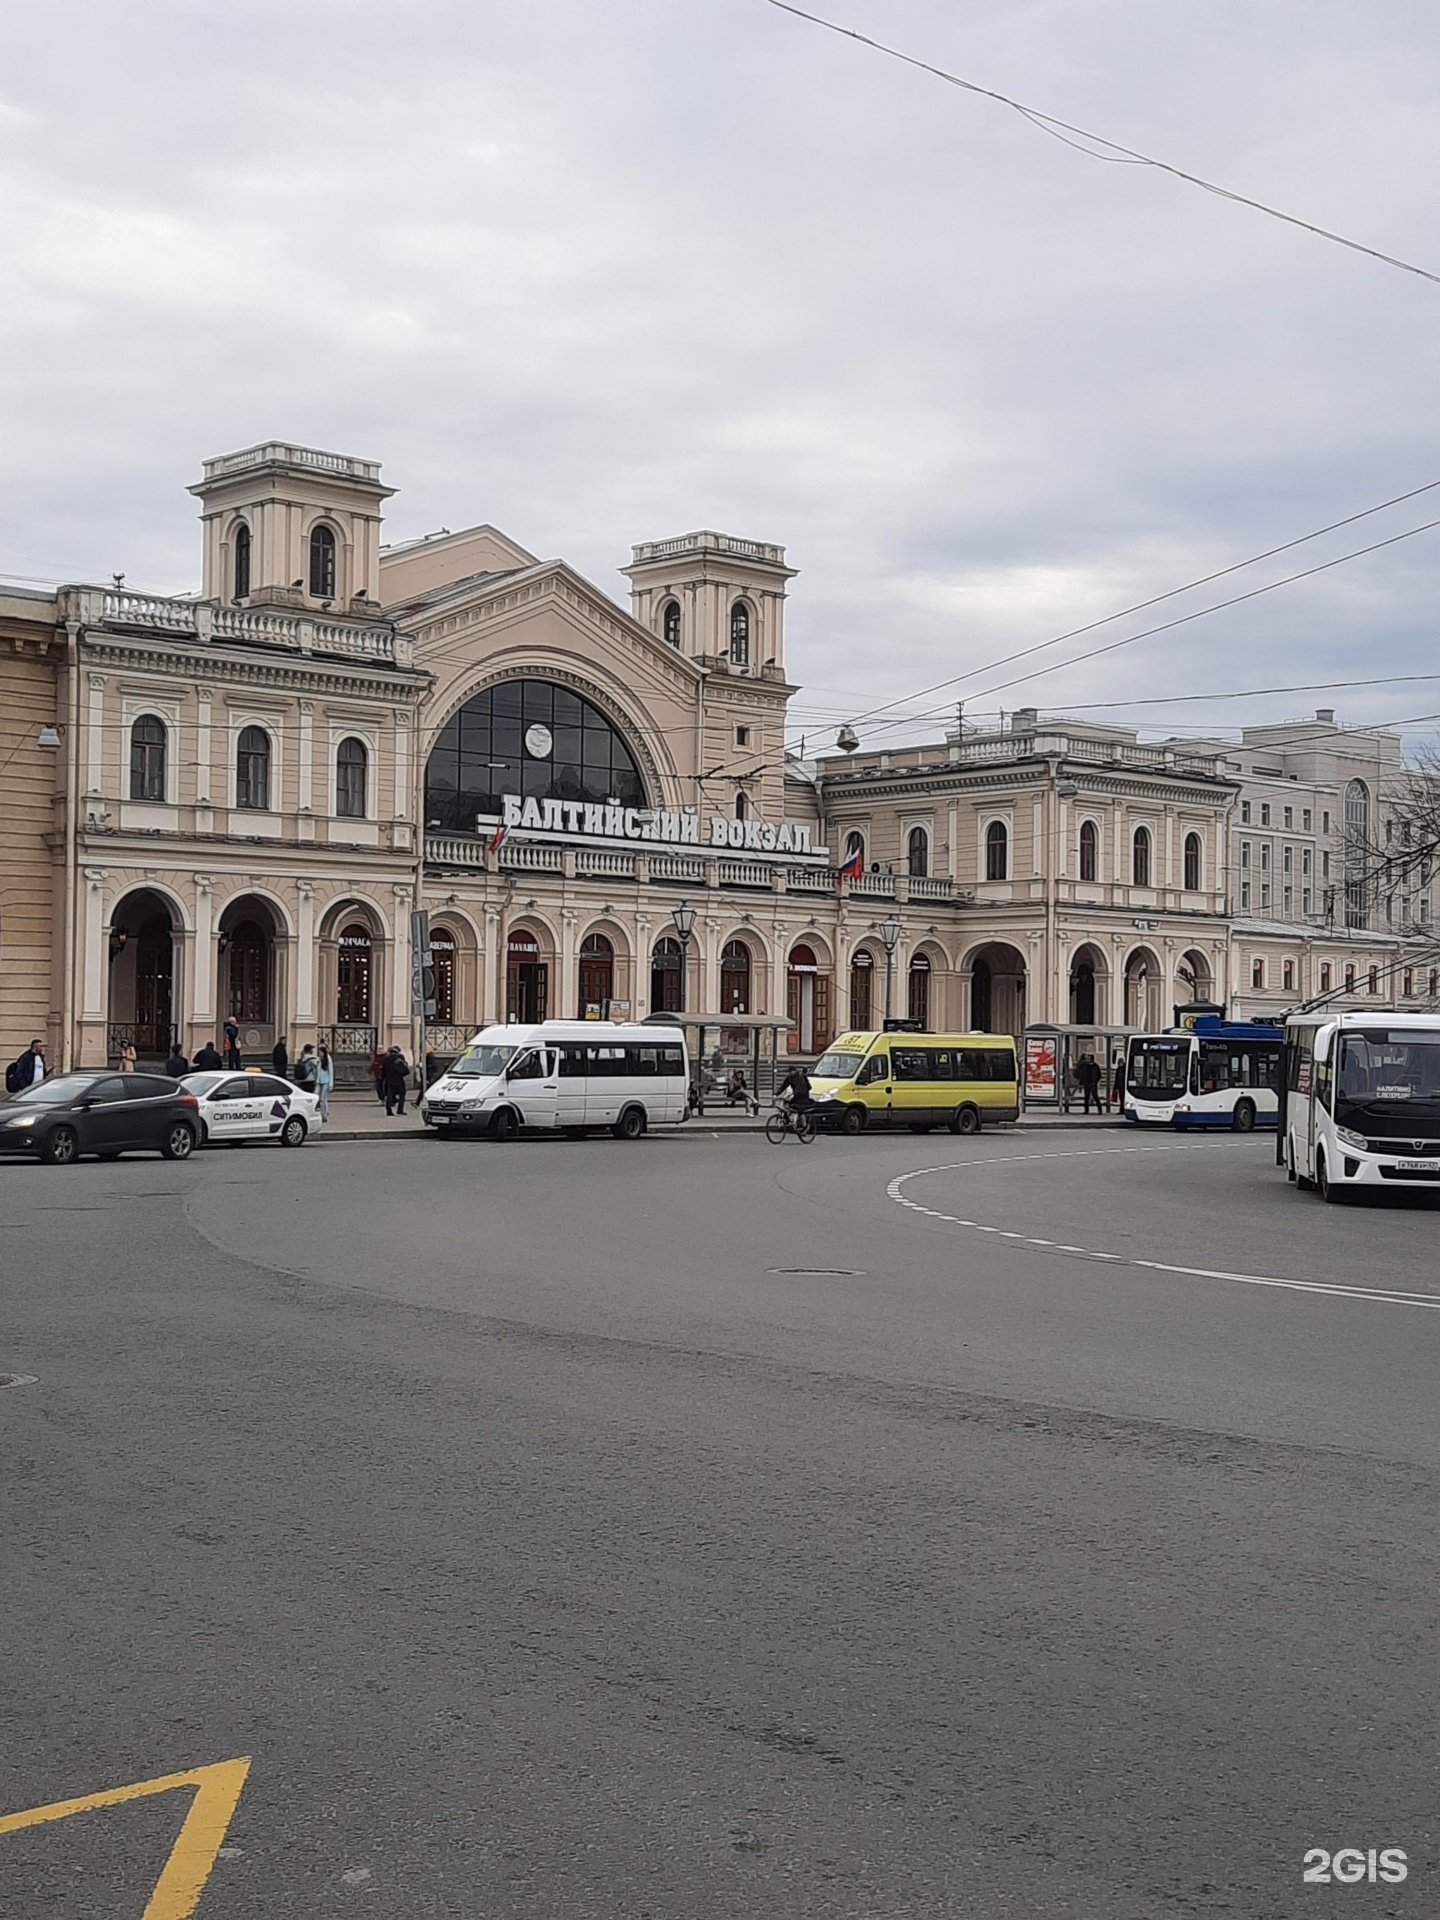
point(703, 1529)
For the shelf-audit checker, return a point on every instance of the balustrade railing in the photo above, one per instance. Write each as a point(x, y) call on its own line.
point(602, 860)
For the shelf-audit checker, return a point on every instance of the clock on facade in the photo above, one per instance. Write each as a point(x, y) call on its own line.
point(538, 742)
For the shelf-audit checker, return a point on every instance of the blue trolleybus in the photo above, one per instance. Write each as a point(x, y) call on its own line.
point(1219, 1073)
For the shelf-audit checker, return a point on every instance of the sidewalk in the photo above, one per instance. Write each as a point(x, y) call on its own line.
point(360, 1116)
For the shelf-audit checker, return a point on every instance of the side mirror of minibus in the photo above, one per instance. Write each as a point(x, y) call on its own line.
point(1323, 1037)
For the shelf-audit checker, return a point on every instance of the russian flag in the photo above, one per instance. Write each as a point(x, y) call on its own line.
point(499, 837)
point(854, 867)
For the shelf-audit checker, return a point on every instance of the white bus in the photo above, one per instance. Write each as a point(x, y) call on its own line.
point(1218, 1073)
point(1361, 1102)
point(565, 1075)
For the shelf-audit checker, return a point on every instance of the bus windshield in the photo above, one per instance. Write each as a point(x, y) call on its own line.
point(1388, 1072)
point(1159, 1068)
point(483, 1063)
point(836, 1066)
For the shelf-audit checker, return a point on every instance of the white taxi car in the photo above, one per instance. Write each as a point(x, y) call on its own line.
point(252, 1106)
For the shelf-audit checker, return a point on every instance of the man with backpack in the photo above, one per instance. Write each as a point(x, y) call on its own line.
point(29, 1068)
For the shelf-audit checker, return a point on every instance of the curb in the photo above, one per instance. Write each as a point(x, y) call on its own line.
point(697, 1130)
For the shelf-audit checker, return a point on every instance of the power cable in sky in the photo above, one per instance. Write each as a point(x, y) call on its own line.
point(1116, 154)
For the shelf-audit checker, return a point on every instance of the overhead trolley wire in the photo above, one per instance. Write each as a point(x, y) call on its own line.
point(1114, 153)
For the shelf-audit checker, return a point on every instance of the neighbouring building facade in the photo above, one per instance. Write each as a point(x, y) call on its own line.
point(230, 805)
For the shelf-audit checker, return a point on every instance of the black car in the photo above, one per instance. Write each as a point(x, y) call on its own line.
point(103, 1113)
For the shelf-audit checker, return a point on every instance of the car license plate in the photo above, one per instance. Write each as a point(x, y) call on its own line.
point(1419, 1166)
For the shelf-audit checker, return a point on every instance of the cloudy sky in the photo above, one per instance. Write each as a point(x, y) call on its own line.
point(608, 270)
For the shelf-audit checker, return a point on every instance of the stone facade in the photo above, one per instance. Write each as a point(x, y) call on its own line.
point(256, 787)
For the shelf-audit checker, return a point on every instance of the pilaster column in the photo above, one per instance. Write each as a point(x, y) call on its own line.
point(202, 1012)
point(95, 945)
point(305, 800)
point(305, 955)
point(95, 736)
point(569, 1007)
point(202, 748)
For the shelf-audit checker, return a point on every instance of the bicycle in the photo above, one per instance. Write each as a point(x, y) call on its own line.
point(784, 1120)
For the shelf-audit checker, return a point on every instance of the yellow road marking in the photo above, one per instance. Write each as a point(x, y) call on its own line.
point(178, 1890)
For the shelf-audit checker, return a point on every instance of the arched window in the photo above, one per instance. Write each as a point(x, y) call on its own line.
point(1140, 857)
point(529, 737)
point(1287, 975)
point(670, 623)
point(1357, 854)
point(742, 806)
point(444, 956)
point(147, 758)
point(917, 854)
point(862, 990)
point(352, 976)
point(997, 851)
point(854, 843)
point(351, 765)
point(918, 999)
point(597, 973)
point(735, 977)
point(1192, 863)
point(252, 770)
point(322, 563)
point(740, 635)
point(1089, 851)
point(248, 960)
point(242, 560)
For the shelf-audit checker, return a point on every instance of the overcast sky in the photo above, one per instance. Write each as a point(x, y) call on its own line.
point(609, 270)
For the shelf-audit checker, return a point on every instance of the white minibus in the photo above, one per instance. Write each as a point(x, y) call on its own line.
point(1361, 1102)
point(563, 1075)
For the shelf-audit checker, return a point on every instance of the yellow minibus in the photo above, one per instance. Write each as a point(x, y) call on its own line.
point(917, 1080)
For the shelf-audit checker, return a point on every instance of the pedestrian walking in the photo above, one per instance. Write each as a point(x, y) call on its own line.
point(280, 1058)
point(29, 1068)
point(1087, 1073)
point(232, 1043)
point(177, 1066)
point(397, 1074)
point(127, 1058)
point(324, 1080)
point(208, 1060)
point(307, 1069)
point(377, 1073)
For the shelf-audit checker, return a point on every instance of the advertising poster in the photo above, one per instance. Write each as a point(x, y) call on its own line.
point(1041, 1053)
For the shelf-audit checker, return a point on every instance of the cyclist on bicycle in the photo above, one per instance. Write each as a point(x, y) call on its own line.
point(797, 1089)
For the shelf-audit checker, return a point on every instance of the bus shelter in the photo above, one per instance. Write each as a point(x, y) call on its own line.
point(1050, 1055)
point(724, 1044)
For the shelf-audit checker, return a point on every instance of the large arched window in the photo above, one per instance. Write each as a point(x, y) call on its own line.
point(997, 851)
point(1140, 857)
point(917, 853)
point(862, 990)
point(854, 843)
point(1192, 863)
point(740, 635)
point(242, 560)
point(1089, 851)
point(917, 1001)
point(735, 977)
point(670, 623)
point(667, 976)
point(1357, 854)
point(322, 563)
point(252, 769)
point(530, 738)
point(351, 765)
point(147, 758)
point(248, 960)
point(597, 974)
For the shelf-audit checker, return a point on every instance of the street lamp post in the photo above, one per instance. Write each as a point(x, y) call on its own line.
point(684, 919)
point(890, 933)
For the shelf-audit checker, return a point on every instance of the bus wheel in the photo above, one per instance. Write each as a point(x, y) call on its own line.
point(503, 1126)
point(630, 1125)
point(853, 1121)
point(1243, 1118)
point(966, 1120)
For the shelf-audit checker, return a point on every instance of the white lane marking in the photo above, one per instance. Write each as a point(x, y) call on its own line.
point(1337, 1289)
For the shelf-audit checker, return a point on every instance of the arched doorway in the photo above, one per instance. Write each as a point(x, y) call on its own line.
point(667, 976)
point(917, 993)
point(355, 976)
point(1087, 968)
point(1144, 987)
point(142, 977)
point(247, 972)
point(527, 979)
point(735, 977)
point(807, 1002)
point(997, 989)
point(597, 976)
point(1195, 980)
point(862, 990)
